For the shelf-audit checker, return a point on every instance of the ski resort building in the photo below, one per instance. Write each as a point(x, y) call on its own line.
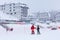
point(42, 17)
point(18, 10)
point(57, 17)
point(54, 16)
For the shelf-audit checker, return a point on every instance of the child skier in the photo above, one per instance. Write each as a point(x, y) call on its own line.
point(32, 29)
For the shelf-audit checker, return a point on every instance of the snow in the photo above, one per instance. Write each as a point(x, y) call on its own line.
point(23, 32)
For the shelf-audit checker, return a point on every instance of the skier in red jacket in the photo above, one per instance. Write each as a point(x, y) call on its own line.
point(32, 29)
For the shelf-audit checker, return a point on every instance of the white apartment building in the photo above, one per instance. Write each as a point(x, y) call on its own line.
point(18, 10)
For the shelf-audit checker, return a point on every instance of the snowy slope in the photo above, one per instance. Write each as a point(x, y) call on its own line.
point(23, 32)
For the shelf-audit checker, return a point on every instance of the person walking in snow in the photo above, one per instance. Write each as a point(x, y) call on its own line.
point(38, 29)
point(32, 29)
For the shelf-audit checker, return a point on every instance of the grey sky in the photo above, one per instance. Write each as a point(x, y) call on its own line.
point(38, 5)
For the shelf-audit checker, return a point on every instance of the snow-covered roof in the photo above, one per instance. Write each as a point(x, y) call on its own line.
point(4, 16)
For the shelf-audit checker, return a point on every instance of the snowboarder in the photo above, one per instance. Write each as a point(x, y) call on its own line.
point(32, 29)
point(38, 28)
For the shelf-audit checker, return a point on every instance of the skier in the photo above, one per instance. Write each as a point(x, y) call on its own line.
point(38, 28)
point(32, 29)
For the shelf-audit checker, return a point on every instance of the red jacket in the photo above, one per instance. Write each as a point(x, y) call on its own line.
point(32, 27)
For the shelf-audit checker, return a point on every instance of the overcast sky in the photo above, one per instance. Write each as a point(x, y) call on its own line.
point(37, 5)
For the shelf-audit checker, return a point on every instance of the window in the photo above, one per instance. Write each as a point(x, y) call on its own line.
point(14, 12)
point(10, 4)
point(4, 8)
point(10, 10)
point(11, 13)
point(10, 7)
point(13, 3)
point(13, 9)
